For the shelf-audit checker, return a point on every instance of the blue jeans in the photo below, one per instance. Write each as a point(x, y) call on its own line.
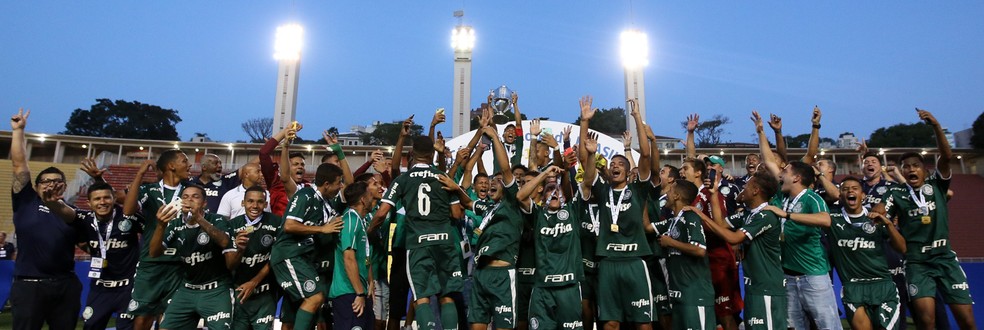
point(813, 294)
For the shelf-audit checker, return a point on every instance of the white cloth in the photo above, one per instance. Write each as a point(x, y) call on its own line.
point(231, 205)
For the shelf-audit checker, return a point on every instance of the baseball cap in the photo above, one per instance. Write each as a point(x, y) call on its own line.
point(715, 159)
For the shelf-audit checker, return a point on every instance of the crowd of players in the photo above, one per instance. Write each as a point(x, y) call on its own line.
point(570, 240)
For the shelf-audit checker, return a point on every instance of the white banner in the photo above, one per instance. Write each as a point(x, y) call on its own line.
point(607, 146)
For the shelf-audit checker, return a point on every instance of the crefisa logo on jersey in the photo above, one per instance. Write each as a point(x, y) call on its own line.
point(202, 238)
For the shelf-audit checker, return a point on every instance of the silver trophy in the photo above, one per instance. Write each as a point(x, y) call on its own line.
point(501, 99)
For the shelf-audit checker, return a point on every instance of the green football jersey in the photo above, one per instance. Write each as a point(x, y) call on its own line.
point(526, 259)
point(353, 238)
point(689, 276)
point(378, 248)
point(152, 196)
point(655, 210)
point(427, 204)
point(501, 227)
point(590, 217)
point(762, 264)
point(308, 207)
point(480, 207)
point(623, 236)
point(324, 245)
point(514, 151)
point(557, 239)
point(857, 248)
point(801, 248)
point(925, 238)
point(257, 252)
point(202, 259)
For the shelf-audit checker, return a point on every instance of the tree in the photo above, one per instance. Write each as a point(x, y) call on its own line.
point(123, 119)
point(258, 129)
point(608, 121)
point(799, 141)
point(903, 135)
point(977, 140)
point(708, 132)
point(386, 134)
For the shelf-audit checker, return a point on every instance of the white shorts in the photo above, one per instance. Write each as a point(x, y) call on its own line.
point(380, 300)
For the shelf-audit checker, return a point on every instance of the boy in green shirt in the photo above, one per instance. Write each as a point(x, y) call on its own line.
point(759, 230)
point(691, 293)
point(256, 299)
point(349, 291)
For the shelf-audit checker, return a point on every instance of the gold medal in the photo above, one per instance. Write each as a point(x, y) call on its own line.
point(478, 232)
point(927, 220)
point(614, 228)
point(249, 229)
point(367, 261)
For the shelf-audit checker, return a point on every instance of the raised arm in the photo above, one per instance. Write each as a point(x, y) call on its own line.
point(654, 161)
point(89, 167)
point(437, 119)
point(776, 123)
point(534, 159)
point(692, 121)
point(586, 147)
point(813, 147)
point(453, 188)
point(285, 176)
point(627, 148)
point(499, 150)
point(398, 150)
point(336, 148)
point(768, 158)
point(130, 206)
point(53, 197)
point(833, 193)
point(18, 151)
point(943, 163)
point(524, 193)
point(644, 152)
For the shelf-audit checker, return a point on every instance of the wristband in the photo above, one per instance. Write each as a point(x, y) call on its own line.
point(363, 295)
point(817, 126)
point(337, 150)
point(519, 131)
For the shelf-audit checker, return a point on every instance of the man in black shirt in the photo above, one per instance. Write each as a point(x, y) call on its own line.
point(45, 288)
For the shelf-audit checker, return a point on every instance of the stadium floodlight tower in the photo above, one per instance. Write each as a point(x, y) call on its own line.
point(287, 51)
point(635, 57)
point(462, 41)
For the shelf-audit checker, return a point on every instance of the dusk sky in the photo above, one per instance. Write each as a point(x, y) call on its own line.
point(866, 64)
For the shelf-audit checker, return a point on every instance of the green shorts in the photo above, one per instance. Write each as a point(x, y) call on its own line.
point(258, 311)
point(188, 306)
point(945, 275)
point(624, 291)
point(661, 294)
point(557, 307)
point(589, 287)
point(153, 284)
point(493, 297)
point(694, 317)
point(765, 312)
point(880, 301)
point(434, 270)
point(298, 278)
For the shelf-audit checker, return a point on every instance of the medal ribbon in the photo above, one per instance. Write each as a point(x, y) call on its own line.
point(616, 205)
point(786, 206)
point(109, 230)
point(920, 202)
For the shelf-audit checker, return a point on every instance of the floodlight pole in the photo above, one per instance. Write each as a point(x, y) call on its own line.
point(462, 41)
point(288, 55)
